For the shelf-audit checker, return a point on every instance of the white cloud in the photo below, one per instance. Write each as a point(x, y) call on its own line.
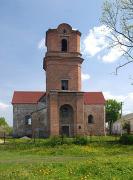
point(41, 44)
point(131, 95)
point(97, 43)
point(3, 106)
point(85, 76)
point(127, 101)
point(116, 52)
point(108, 95)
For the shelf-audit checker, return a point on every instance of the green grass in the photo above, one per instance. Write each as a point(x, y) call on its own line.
point(102, 158)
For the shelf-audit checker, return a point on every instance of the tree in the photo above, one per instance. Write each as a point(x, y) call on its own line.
point(126, 126)
point(117, 15)
point(112, 112)
point(4, 127)
point(3, 121)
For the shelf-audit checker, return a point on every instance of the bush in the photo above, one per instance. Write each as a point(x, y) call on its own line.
point(126, 139)
point(126, 126)
point(60, 140)
point(54, 140)
point(57, 140)
point(80, 140)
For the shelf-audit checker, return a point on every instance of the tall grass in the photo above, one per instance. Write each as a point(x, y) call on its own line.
point(101, 158)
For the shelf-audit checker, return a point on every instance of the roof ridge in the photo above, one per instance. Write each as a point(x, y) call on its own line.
point(93, 92)
point(31, 91)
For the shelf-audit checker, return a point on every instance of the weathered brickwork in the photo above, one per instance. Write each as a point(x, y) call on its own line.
point(57, 100)
point(60, 66)
point(67, 65)
point(37, 115)
point(63, 68)
point(97, 127)
point(20, 111)
point(39, 123)
point(64, 108)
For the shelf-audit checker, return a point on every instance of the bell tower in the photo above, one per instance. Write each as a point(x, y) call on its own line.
point(62, 64)
point(63, 60)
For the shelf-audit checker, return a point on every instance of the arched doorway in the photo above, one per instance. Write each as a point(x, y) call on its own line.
point(66, 120)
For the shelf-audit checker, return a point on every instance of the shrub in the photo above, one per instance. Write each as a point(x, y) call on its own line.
point(126, 139)
point(80, 140)
point(54, 140)
point(57, 140)
point(126, 126)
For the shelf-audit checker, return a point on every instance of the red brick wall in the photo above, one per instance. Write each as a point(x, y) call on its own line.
point(75, 100)
point(54, 37)
point(98, 112)
point(63, 65)
point(63, 69)
point(67, 65)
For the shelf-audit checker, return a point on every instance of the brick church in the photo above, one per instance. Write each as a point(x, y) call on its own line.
point(63, 109)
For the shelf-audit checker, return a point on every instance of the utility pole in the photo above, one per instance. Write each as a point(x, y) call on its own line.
point(121, 115)
point(121, 108)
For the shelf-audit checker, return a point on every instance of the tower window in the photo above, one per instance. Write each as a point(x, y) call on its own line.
point(90, 119)
point(64, 84)
point(64, 45)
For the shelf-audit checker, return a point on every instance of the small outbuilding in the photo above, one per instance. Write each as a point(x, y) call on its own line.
point(118, 125)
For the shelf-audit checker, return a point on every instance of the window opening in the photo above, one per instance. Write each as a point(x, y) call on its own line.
point(64, 45)
point(64, 84)
point(90, 119)
point(27, 120)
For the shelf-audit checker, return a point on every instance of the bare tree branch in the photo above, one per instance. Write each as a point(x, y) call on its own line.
point(118, 17)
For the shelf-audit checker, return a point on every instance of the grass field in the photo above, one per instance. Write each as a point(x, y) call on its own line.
point(103, 158)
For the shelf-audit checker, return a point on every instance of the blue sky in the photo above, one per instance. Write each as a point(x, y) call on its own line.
point(22, 27)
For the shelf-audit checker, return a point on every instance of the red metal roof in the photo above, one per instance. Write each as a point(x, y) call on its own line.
point(93, 98)
point(26, 97)
point(32, 97)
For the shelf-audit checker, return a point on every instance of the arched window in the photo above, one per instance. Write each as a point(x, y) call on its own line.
point(64, 45)
point(66, 120)
point(90, 119)
point(66, 111)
